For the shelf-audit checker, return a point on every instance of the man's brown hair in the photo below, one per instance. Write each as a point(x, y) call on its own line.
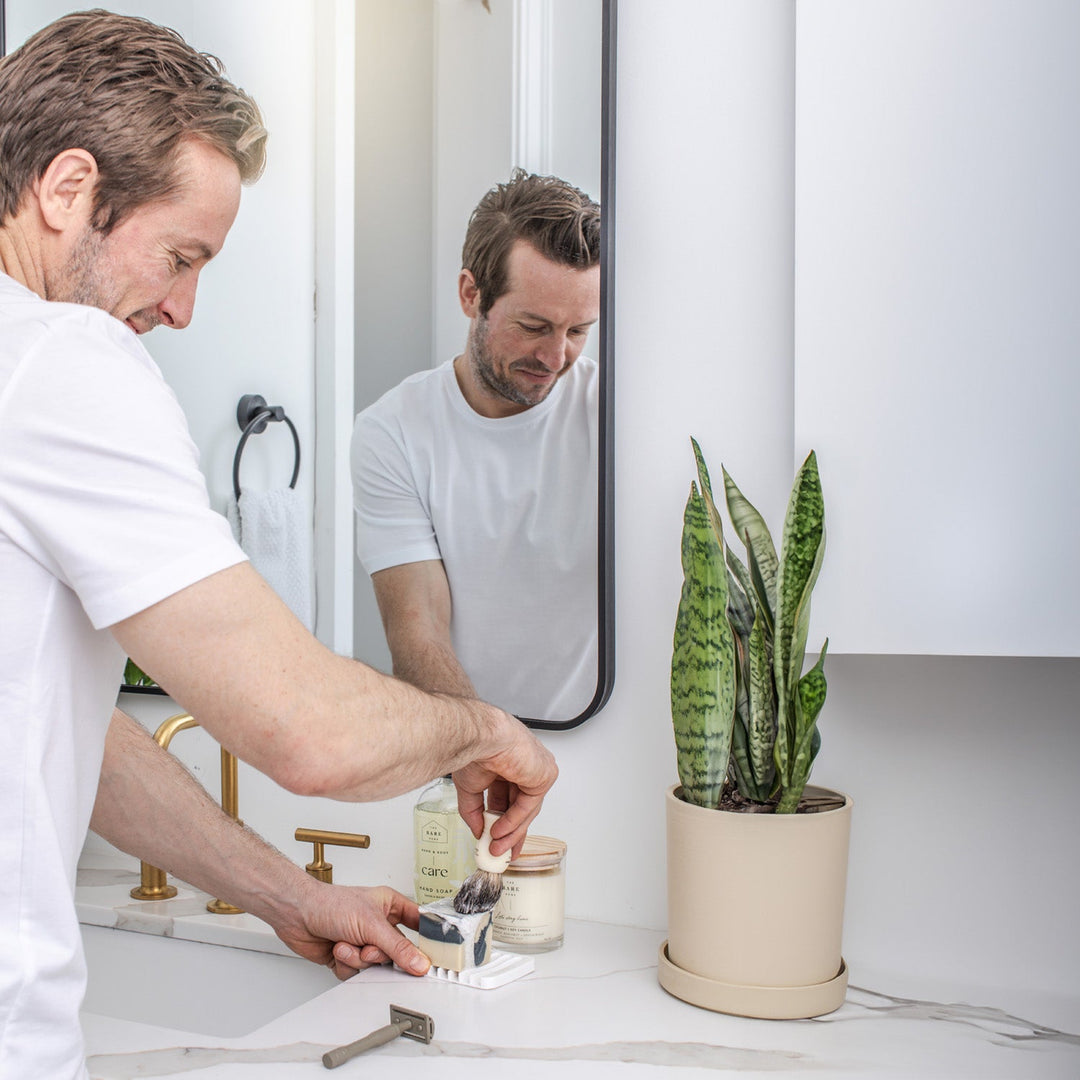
point(127, 91)
point(556, 218)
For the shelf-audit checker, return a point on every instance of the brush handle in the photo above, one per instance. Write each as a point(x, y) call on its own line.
point(491, 864)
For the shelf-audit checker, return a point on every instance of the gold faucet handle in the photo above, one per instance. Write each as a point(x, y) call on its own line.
point(319, 868)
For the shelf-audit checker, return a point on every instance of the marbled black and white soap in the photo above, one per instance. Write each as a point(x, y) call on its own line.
point(451, 940)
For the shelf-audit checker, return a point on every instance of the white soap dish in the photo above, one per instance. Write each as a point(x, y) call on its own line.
point(501, 968)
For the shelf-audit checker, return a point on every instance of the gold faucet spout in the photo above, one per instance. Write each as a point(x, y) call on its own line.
point(153, 883)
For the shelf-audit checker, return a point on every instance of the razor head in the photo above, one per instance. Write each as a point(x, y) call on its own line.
point(421, 1026)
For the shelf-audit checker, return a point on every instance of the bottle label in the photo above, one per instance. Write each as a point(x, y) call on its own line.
point(440, 865)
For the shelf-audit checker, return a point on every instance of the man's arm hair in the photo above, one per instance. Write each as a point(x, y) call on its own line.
point(415, 605)
point(230, 652)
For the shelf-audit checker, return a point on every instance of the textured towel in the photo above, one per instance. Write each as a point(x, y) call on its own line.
point(273, 529)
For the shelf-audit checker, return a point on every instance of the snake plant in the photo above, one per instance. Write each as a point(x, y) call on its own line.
point(745, 715)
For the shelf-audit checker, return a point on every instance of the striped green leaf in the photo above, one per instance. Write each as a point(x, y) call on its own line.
point(703, 661)
point(808, 702)
point(760, 549)
point(740, 761)
point(706, 493)
point(762, 727)
point(800, 560)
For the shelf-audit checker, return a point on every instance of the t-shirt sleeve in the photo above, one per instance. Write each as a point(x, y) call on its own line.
point(393, 523)
point(100, 480)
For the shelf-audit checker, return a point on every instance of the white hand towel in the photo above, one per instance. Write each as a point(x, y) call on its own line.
point(273, 529)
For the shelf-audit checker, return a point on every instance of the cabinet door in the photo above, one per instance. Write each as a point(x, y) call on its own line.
point(937, 343)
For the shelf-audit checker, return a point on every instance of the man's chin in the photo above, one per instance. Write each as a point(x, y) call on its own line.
point(141, 324)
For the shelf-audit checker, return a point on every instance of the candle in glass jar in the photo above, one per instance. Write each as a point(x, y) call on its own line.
point(529, 915)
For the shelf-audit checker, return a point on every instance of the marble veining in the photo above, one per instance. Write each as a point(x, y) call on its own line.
point(1005, 1027)
point(174, 1061)
point(98, 877)
point(862, 1004)
point(177, 1060)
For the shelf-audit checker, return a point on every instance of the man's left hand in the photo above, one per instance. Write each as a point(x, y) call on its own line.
point(349, 928)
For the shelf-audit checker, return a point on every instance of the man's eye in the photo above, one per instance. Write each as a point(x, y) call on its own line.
point(531, 329)
point(180, 263)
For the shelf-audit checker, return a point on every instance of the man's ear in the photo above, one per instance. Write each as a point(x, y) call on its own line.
point(468, 294)
point(65, 191)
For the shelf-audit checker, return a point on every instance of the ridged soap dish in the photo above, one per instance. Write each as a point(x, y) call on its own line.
point(500, 969)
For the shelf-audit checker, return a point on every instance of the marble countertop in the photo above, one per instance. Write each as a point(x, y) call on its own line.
point(592, 1007)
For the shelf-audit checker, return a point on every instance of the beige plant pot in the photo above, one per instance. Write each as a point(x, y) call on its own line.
point(756, 909)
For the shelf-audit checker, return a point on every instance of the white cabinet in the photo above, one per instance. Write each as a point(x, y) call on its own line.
point(937, 315)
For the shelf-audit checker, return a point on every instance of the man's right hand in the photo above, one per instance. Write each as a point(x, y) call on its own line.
point(516, 779)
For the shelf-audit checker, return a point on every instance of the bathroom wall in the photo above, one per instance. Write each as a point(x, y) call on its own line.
point(253, 327)
point(964, 863)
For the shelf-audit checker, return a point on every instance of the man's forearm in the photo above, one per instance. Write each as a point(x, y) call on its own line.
point(148, 805)
point(432, 666)
point(232, 654)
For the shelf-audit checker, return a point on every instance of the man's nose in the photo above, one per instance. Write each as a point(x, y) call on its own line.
point(553, 351)
point(177, 307)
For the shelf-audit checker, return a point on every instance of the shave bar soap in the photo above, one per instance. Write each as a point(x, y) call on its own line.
point(451, 940)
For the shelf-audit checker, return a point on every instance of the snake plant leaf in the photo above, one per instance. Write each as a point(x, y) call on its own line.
point(761, 731)
point(802, 620)
point(740, 763)
point(760, 549)
point(809, 699)
point(706, 493)
point(760, 589)
point(800, 556)
point(702, 662)
point(739, 573)
point(740, 607)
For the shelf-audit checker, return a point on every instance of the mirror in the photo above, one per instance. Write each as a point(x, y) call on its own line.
point(452, 94)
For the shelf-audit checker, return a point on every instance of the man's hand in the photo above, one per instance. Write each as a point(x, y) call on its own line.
point(515, 779)
point(349, 928)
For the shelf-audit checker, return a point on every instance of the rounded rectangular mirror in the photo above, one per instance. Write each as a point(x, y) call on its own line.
point(453, 96)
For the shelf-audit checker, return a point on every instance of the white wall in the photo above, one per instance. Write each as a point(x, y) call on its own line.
point(964, 863)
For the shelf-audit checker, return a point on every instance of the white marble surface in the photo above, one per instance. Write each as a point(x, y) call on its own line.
point(590, 1009)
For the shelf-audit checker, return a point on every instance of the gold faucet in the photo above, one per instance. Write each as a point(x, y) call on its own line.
point(319, 868)
point(153, 883)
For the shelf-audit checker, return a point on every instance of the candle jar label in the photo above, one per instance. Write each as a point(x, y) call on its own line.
point(530, 913)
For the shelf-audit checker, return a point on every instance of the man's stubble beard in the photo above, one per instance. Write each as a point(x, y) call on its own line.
point(82, 280)
point(484, 368)
point(87, 278)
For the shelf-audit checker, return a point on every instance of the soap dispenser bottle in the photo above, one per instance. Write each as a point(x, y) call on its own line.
point(443, 845)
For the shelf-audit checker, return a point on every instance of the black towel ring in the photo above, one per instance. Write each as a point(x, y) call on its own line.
point(253, 414)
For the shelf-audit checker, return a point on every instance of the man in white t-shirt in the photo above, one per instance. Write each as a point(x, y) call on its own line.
point(122, 153)
point(475, 483)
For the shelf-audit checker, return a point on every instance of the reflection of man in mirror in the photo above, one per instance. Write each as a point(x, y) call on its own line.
point(475, 482)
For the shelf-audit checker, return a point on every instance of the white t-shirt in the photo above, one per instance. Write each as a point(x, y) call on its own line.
point(103, 512)
point(510, 507)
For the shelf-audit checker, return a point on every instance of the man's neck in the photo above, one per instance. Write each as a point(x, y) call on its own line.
point(17, 258)
point(478, 397)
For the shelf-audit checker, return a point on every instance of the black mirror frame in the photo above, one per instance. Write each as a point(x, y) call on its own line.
point(606, 429)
